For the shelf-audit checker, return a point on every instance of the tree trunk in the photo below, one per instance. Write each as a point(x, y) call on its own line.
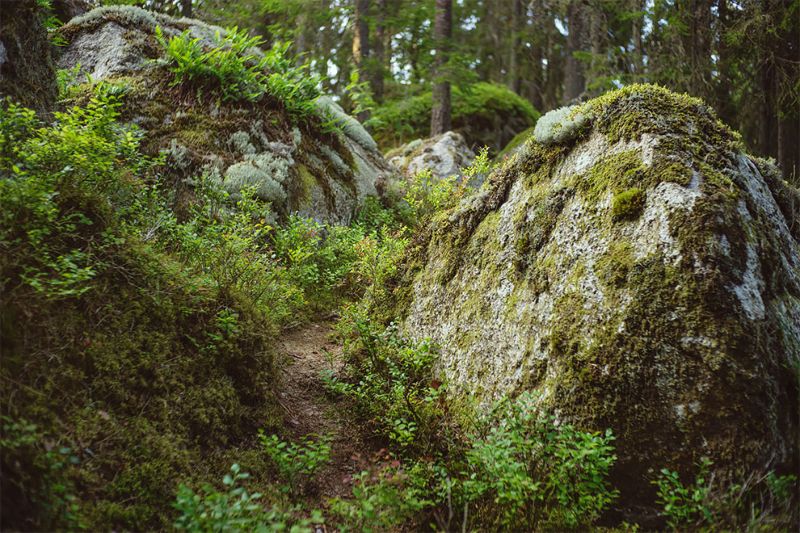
point(361, 33)
point(186, 8)
point(517, 20)
point(638, 43)
point(787, 56)
point(377, 68)
point(722, 88)
point(361, 45)
point(597, 33)
point(575, 80)
point(442, 33)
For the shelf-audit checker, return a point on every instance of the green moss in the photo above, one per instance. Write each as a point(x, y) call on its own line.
point(128, 377)
point(482, 112)
point(514, 143)
point(306, 181)
point(535, 222)
point(613, 267)
point(628, 204)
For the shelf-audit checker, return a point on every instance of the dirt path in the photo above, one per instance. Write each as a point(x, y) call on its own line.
point(309, 410)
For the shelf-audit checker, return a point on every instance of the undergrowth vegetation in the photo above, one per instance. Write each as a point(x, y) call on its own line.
point(152, 335)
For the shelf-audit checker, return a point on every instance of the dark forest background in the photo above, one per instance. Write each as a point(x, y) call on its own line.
point(741, 57)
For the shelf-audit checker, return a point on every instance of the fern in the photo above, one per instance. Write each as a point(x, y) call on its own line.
point(240, 71)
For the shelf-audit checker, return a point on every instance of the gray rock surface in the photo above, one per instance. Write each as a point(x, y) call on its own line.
point(642, 274)
point(444, 155)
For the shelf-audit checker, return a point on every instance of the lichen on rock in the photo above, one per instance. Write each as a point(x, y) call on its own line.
point(642, 273)
point(444, 155)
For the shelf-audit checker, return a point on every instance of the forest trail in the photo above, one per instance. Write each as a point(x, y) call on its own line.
point(310, 410)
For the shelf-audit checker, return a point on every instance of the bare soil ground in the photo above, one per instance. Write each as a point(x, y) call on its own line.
point(310, 410)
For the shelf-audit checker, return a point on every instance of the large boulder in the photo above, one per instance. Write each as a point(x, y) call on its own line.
point(486, 114)
point(296, 166)
point(444, 155)
point(639, 270)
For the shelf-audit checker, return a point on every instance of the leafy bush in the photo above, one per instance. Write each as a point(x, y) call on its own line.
point(234, 510)
point(685, 505)
point(530, 472)
point(296, 460)
point(389, 378)
point(61, 184)
point(766, 502)
point(380, 501)
point(426, 194)
point(319, 258)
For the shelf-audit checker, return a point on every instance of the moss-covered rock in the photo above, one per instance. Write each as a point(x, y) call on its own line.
point(297, 167)
point(643, 273)
point(27, 71)
point(485, 114)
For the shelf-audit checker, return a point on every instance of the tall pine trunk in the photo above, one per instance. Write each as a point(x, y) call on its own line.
point(638, 43)
point(379, 53)
point(514, 74)
point(574, 79)
point(787, 57)
point(442, 33)
point(361, 43)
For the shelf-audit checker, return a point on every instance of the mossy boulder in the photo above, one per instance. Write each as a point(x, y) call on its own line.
point(297, 166)
point(27, 71)
point(642, 273)
point(486, 114)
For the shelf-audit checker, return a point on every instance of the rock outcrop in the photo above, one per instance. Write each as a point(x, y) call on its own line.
point(297, 167)
point(27, 71)
point(641, 272)
point(444, 155)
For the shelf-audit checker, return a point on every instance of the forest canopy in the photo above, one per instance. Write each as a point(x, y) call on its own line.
point(740, 57)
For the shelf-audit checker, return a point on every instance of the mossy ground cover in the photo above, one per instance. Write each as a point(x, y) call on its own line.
point(138, 333)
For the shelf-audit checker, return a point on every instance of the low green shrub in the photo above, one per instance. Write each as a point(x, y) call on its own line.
point(235, 509)
point(529, 471)
point(762, 503)
point(381, 501)
point(297, 460)
point(389, 379)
